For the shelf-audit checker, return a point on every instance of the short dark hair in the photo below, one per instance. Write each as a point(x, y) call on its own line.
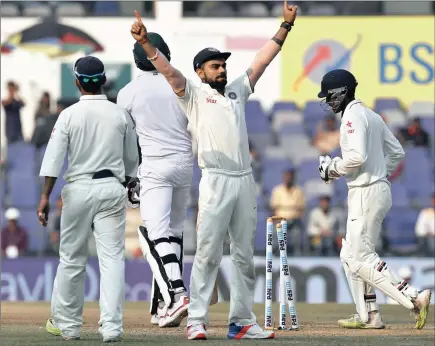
point(11, 84)
point(91, 87)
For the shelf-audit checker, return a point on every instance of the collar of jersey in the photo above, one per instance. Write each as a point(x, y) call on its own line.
point(206, 87)
point(93, 97)
point(349, 105)
point(142, 73)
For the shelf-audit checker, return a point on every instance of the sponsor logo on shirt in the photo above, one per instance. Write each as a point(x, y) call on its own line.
point(349, 124)
point(232, 95)
point(210, 100)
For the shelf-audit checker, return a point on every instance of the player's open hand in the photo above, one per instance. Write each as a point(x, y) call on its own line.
point(289, 13)
point(138, 30)
point(43, 210)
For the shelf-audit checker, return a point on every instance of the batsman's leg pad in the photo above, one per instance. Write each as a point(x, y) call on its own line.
point(158, 265)
point(177, 245)
point(402, 285)
point(370, 298)
point(377, 280)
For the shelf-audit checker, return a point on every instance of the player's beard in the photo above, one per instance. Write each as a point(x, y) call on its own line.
point(216, 84)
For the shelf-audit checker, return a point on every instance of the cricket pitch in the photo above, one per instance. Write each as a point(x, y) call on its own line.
point(24, 324)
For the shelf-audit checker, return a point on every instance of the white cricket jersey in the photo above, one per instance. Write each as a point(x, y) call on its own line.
point(219, 124)
point(366, 139)
point(97, 135)
point(160, 122)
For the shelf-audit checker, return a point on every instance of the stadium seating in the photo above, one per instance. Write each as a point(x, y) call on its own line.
point(400, 225)
point(293, 149)
point(384, 104)
point(259, 9)
point(106, 8)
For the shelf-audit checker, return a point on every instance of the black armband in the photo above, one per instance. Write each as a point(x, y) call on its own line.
point(286, 25)
point(278, 41)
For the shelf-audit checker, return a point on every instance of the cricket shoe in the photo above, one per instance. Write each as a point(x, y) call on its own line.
point(176, 313)
point(156, 318)
point(354, 322)
point(251, 331)
point(52, 329)
point(421, 308)
point(112, 339)
point(197, 332)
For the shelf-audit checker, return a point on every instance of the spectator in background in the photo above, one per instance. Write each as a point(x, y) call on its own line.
point(288, 201)
point(256, 165)
point(327, 137)
point(414, 134)
point(12, 105)
point(44, 106)
point(54, 228)
point(425, 230)
point(14, 240)
point(44, 126)
point(323, 228)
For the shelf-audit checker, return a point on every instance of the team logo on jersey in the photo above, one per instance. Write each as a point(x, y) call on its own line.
point(349, 124)
point(232, 95)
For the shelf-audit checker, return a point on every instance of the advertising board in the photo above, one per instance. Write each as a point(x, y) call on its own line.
point(386, 57)
point(315, 280)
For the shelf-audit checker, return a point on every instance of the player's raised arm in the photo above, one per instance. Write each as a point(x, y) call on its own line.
point(271, 49)
point(162, 65)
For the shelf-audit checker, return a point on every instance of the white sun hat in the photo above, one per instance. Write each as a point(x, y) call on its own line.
point(12, 214)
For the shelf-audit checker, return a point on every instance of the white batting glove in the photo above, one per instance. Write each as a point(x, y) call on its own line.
point(133, 193)
point(325, 169)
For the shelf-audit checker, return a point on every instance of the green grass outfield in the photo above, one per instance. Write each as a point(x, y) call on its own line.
point(23, 324)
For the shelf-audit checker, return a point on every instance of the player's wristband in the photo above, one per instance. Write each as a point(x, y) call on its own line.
point(278, 41)
point(155, 56)
point(286, 25)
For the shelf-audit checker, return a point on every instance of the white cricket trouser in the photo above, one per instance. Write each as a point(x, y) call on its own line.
point(99, 206)
point(165, 187)
point(227, 203)
point(367, 208)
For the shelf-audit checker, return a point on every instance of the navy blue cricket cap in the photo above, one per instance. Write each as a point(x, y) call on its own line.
point(89, 66)
point(208, 54)
point(336, 79)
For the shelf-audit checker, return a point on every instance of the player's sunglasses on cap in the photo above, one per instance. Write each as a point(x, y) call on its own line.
point(208, 54)
point(89, 69)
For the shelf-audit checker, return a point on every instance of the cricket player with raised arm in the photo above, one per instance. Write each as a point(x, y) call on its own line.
point(165, 176)
point(370, 152)
point(101, 144)
point(227, 191)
